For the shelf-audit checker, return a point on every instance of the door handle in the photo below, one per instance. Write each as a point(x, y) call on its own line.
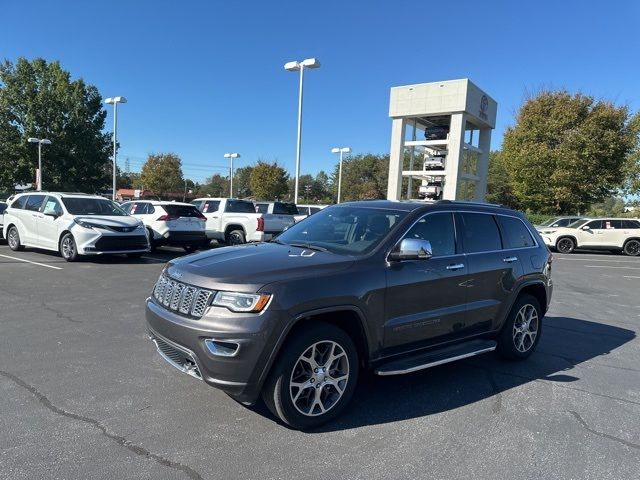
point(455, 266)
point(510, 259)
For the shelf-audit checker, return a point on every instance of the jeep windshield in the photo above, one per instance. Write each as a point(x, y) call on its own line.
point(92, 206)
point(343, 230)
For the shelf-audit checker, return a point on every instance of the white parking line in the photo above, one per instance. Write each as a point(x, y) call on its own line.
point(630, 276)
point(597, 260)
point(609, 266)
point(29, 261)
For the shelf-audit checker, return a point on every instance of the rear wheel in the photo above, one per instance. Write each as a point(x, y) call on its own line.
point(235, 237)
point(522, 329)
point(565, 245)
point(632, 248)
point(68, 248)
point(13, 239)
point(314, 377)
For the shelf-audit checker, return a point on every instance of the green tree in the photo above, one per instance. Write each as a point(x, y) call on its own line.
point(566, 151)
point(215, 186)
point(631, 184)
point(610, 207)
point(499, 188)
point(128, 180)
point(269, 181)
point(162, 173)
point(242, 182)
point(39, 99)
point(363, 177)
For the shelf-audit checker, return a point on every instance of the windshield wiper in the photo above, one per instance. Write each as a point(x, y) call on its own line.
point(279, 242)
point(309, 246)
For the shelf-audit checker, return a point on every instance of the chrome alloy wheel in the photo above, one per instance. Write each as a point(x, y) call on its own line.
point(12, 238)
point(319, 378)
point(565, 245)
point(525, 328)
point(68, 247)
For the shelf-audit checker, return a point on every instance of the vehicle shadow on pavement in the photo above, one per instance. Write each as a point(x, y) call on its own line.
point(565, 343)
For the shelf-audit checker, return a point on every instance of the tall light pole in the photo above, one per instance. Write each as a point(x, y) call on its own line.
point(296, 66)
point(231, 156)
point(40, 142)
point(115, 101)
point(340, 150)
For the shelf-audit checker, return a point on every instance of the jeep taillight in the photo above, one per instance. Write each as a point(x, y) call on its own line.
point(260, 225)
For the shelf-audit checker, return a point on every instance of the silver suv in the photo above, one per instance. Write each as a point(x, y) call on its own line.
point(73, 224)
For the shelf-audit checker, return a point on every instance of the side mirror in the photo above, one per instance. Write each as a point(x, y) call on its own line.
point(586, 227)
point(51, 213)
point(411, 249)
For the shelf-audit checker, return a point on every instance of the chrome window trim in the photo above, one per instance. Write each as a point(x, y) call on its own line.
point(535, 240)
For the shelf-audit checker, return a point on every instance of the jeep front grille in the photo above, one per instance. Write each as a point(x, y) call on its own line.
point(181, 298)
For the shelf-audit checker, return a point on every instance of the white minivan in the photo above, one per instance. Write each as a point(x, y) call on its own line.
point(73, 224)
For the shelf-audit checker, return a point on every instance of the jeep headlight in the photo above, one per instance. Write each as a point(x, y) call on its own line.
point(242, 302)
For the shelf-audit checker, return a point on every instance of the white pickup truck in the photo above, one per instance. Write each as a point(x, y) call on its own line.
point(234, 221)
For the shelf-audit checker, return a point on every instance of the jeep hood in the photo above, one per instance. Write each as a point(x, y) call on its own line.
point(247, 268)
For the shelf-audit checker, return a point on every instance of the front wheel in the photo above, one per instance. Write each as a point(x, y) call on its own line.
point(13, 239)
point(68, 248)
point(314, 377)
point(522, 329)
point(565, 245)
point(632, 248)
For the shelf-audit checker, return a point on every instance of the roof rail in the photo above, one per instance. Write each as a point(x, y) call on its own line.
point(470, 202)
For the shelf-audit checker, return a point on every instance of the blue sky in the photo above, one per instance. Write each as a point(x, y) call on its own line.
point(206, 77)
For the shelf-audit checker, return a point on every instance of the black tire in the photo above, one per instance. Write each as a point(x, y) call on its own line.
point(153, 245)
point(190, 248)
point(67, 248)
point(13, 239)
point(509, 340)
point(565, 245)
point(206, 244)
point(135, 254)
point(278, 393)
point(632, 247)
point(235, 237)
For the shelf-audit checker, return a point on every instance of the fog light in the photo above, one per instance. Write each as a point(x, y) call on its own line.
point(222, 349)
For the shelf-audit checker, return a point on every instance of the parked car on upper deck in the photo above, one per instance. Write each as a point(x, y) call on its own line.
point(556, 222)
point(393, 287)
point(73, 224)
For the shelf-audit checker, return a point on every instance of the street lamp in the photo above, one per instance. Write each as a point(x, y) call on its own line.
point(295, 67)
point(40, 142)
point(340, 150)
point(231, 156)
point(115, 101)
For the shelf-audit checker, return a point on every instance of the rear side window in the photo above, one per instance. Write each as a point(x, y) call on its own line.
point(240, 206)
point(630, 224)
point(515, 233)
point(34, 202)
point(480, 233)
point(210, 206)
point(19, 202)
point(182, 211)
point(262, 207)
point(285, 208)
point(615, 224)
point(438, 229)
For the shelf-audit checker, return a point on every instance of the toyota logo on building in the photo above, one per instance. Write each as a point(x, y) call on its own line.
point(484, 106)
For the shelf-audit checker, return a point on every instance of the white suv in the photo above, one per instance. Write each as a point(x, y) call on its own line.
point(170, 223)
point(616, 234)
point(73, 224)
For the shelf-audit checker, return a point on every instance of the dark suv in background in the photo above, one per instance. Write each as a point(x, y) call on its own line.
point(390, 286)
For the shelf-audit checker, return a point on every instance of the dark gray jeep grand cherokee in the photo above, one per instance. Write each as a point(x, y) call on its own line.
point(390, 286)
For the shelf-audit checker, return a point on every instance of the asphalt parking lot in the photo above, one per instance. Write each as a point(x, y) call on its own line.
point(83, 393)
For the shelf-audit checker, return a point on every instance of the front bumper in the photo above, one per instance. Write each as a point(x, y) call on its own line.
point(240, 375)
point(92, 242)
